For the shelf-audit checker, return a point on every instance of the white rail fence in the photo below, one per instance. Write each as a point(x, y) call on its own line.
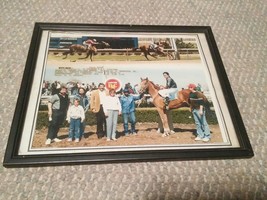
point(185, 51)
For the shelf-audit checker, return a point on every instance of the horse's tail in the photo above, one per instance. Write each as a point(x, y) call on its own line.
point(209, 112)
point(207, 105)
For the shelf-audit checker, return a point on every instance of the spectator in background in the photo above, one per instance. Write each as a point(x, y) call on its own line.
point(84, 103)
point(57, 110)
point(96, 105)
point(199, 88)
point(69, 86)
point(74, 89)
point(55, 87)
point(128, 110)
point(45, 87)
point(129, 88)
point(93, 86)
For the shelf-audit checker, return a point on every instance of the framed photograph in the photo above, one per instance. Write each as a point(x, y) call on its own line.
point(124, 93)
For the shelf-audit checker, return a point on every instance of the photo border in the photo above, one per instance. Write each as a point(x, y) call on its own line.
point(13, 159)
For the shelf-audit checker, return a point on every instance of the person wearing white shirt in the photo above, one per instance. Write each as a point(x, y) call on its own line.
point(75, 117)
point(112, 108)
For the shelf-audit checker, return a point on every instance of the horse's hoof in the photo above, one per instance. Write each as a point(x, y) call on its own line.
point(165, 134)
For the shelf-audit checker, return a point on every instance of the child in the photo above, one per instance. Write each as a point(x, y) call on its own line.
point(75, 117)
point(112, 108)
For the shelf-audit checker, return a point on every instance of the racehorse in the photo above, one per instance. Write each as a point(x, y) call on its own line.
point(182, 100)
point(78, 48)
point(158, 51)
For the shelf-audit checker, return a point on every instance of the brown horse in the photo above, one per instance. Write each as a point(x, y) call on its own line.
point(152, 89)
point(146, 50)
point(77, 48)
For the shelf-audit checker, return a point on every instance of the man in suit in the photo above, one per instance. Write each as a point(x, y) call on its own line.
point(97, 98)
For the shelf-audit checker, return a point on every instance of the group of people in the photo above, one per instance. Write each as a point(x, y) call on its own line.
point(107, 106)
point(72, 87)
point(60, 109)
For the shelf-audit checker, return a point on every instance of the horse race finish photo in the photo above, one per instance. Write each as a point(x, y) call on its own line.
point(116, 93)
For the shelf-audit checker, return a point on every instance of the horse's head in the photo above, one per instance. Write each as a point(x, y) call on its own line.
point(146, 84)
point(143, 86)
point(105, 44)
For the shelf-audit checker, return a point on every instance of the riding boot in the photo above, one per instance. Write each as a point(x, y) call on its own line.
point(166, 102)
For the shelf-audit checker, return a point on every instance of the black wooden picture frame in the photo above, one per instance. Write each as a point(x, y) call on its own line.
point(20, 152)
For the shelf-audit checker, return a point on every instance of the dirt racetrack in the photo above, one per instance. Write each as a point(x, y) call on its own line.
point(146, 135)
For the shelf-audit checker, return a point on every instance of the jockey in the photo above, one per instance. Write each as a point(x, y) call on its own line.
point(90, 43)
point(168, 93)
point(154, 46)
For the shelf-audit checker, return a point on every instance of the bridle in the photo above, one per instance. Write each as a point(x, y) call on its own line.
point(143, 89)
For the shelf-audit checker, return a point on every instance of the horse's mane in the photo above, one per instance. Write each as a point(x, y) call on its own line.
point(154, 85)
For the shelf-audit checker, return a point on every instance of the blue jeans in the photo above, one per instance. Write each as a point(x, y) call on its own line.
point(58, 118)
point(75, 125)
point(112, 120)
point(130, 116)
point(202, 126)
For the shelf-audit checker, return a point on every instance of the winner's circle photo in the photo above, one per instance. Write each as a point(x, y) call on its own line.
point(124, 94)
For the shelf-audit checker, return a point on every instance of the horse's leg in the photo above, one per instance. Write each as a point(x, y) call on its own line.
point(87, 54)
point(91, 56)
point(152, 55)
point(170, 56)
point(165, 123)
point(66, 54)
point(145, 54)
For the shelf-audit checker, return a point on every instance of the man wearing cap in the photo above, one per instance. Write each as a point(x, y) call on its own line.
point(197, 105)
point(57, 111)
point(128, 110)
